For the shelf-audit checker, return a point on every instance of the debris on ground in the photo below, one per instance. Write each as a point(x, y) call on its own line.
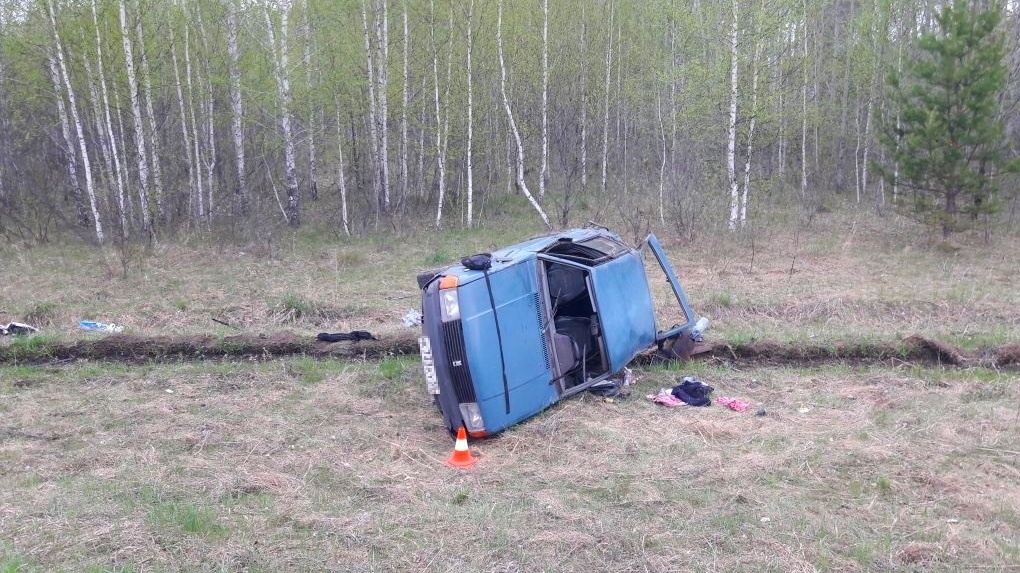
point(666, 398)
point(17, 329)
point(340, 336)
point(693, 391)
point(615, 386)
point(761, 412)
point(94, 326)
point(735, 404)
point(412, 318)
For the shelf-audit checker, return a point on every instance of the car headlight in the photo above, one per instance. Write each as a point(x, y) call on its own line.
point(449, 305)
point(472, 417)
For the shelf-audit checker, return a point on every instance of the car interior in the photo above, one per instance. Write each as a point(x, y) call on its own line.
point(577, 335)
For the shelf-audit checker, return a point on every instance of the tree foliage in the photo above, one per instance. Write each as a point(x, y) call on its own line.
point(950, 144)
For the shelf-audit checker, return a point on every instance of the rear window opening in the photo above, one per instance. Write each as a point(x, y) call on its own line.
point(576, 331)
point(593, 251)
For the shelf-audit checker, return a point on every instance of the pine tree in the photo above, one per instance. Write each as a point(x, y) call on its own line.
point(950, 142)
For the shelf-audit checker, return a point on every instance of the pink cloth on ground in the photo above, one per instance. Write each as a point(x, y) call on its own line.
point(666, 399)
point(733, 403)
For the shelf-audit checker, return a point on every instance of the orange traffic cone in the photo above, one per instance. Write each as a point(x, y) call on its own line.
point(461, 456)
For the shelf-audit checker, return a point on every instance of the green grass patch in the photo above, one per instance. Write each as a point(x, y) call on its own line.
point(29, 348)
point(190, 519)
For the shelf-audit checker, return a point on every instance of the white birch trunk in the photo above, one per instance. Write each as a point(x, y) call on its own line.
point(210, 124)
point(440, 159)
point(111, 136)
point(867, 148)
point(313, 188)
point(896, 161)
point(857, 155)
point(341, 180)
point(129, 202)
point(731, 127)
point(754, 117)
point(545, 100)
point(70, 155)
point(470, 118)
point(199, 197)
point(605, 116)
point(283, 90)
point(403, 109)
point(106, 168)
point(157, 172)
point(236, 106)
point(662, 165)
point(372, 112)
point(803, 111)
point(513, 125)
point(72, 101)
point(584, 100)
point(136, 115)
point(184, 120)
point(382, 76)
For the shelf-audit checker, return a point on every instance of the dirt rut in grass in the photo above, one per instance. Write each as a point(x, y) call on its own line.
point(134, 348)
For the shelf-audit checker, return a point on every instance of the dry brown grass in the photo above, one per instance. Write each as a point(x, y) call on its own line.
point(249, 466)
point(841, 277)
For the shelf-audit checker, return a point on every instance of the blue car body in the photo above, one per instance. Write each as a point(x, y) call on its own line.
point(551, 317)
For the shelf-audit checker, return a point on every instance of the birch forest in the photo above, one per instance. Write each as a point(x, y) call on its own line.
point(142, 119)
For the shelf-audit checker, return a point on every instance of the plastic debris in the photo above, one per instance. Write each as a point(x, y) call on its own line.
point(412, 318)
point(94, 326)
point(734, 404)
point(17, 329)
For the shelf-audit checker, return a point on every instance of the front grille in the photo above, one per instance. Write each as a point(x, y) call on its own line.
point(456, 355)
point(541, 333)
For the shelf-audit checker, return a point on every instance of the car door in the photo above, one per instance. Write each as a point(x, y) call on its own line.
point(688, 318)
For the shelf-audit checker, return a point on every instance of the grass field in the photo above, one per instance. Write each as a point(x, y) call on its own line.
point(299, 464)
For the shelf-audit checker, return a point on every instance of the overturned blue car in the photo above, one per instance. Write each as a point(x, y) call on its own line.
point(508, 334)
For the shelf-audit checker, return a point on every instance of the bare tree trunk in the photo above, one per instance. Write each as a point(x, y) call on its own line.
point(867, 148)
point(199, 198)
point(543, 175)
point(803, 111)
point(71, 156)
point(383, 77)
point(111, 136)
point(192, 192)
point(605, 116)
point(470, 118)
point(313, 188)
point(584, 100)
point(341, 180)
point(754, 117)
point(373, 121)
point(440, 158)
point(283, 90)
point(857, 155)
point(896, 161)
point(731, 128)
point(521, 184)
point(106, 167)
point(136, 115)
point(662, 166)
point(236, 108)
point(403, 109)
point(157, 172)
point(86, 165)
point(210, 155)
point(129, 202)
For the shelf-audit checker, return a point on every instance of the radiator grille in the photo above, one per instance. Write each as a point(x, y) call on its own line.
point(541, 332)
point(453, 336)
